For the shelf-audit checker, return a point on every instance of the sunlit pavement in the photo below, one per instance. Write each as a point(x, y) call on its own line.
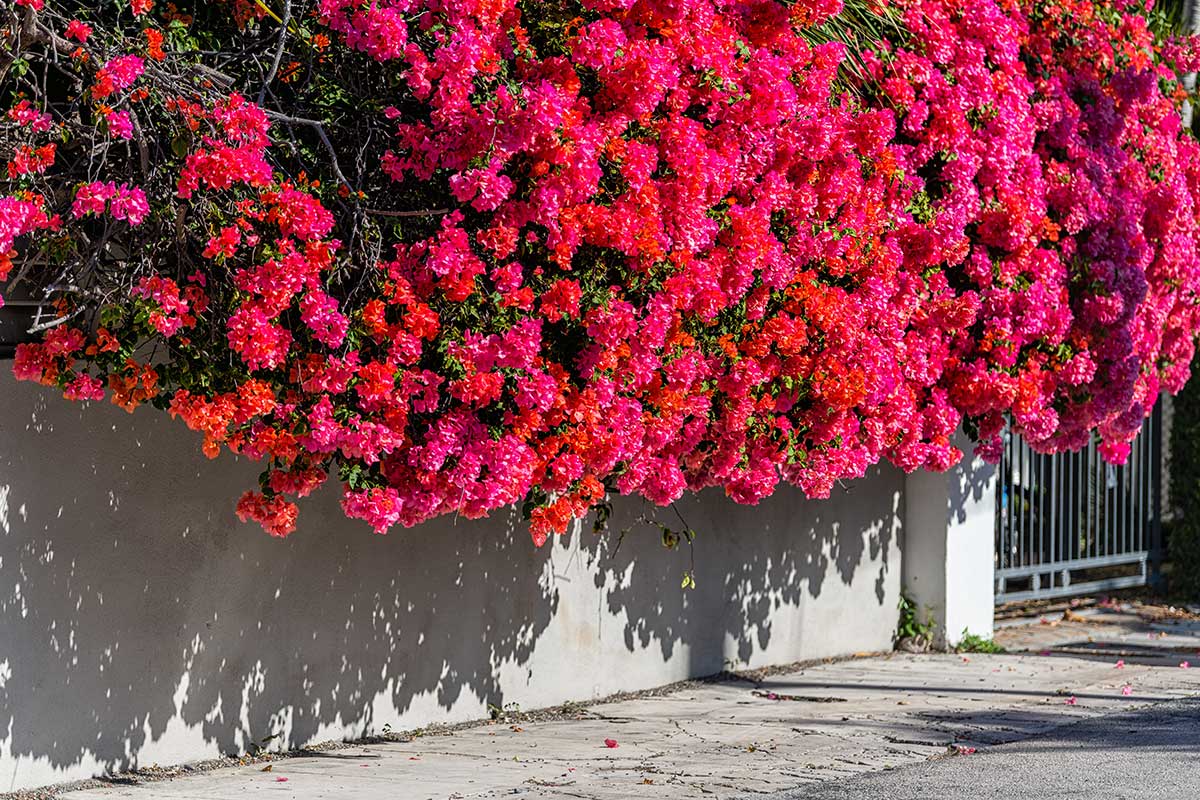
point(820, 729)
point(1148, 754)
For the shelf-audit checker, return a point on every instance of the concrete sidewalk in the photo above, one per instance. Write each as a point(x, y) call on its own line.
point(730, 738)
point(1149, 754)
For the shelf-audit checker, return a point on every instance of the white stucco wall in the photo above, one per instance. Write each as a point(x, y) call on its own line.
point(949, 547)
point(141, 623)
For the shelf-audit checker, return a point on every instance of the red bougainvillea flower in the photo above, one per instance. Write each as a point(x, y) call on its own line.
point(563, 249)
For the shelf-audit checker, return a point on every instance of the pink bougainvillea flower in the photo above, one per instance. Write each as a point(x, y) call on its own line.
point(78, 30)
point(129, 204)
point(611, 743)
point(117, 75)
point(26, 114)
point(120, 125)
point(658, 248)
point(92, 198)
point(84, 387)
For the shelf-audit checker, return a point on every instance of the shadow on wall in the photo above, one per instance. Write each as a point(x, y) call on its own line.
point(136, 611)
point(754, 562)
point(972, 483)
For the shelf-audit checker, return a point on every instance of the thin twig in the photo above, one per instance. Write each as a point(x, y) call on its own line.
point(424, 212)
point(283, 32)
point(319, 127)
point(54, 323)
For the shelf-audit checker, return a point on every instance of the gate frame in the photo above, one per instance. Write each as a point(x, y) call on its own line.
point(1053, 579)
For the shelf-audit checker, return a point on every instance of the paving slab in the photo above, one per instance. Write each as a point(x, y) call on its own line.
point(1146, 635)
point(733, 738)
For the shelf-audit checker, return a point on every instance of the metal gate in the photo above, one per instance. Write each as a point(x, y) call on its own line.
point(1072, 524)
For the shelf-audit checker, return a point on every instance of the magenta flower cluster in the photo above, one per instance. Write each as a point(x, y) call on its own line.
point(689, 246)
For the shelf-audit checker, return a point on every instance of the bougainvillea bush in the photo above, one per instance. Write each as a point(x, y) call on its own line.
point(461, 255)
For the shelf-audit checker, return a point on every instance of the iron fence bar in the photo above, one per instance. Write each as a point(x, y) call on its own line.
point(1061, 510)
point(1104, 515)
point(1156, 501)
point(1056, 514)
point(1085, 500)
point(1137, 514)
point(1079, 564)
point(1019, 485)
point(1118, 510)
point(1115, 499)
point(1014, 505)
point(1083, 512)
point(1134, 503)
point(1002, 512)
point(1035, 499)
point(1098, 533)
point(1021, 481)
point(1039, 524)
point(1089, 494)
point(1126, 484)
point(1131, 505)
point(1079, 512)
point(1109, 515)
point(1148, 507)
point(1144, 517)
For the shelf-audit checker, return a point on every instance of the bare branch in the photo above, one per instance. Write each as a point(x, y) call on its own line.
point(54, 323)
point(424, 212)
point(320, 130)
point(283, 32)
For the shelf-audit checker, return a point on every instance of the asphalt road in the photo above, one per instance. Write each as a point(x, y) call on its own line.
point(1152, 754)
